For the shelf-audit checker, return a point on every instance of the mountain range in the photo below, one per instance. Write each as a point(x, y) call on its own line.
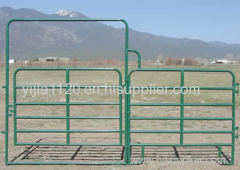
point(89, 40)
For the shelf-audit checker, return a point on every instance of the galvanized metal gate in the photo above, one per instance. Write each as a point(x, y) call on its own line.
point(12, 108)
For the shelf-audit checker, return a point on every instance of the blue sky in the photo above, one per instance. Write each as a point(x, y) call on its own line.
point(209, 20)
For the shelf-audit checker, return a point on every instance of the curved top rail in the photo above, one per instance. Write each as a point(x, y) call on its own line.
point(138, 55)
point(69, 19)
point(72, 69)
point(186, 70)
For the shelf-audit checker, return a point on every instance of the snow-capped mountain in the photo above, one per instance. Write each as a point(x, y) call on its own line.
point(94, 40)
point(64, 12)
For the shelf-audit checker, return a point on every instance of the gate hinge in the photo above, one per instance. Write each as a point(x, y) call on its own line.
point(11, 110)
point(237, 90)
point(236, 135)
point(3, 131)
point(4, 86)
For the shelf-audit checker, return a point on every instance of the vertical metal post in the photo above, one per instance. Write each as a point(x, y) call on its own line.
point(127, 109)
point(233, 120)
point(7, 92)
point(127, 125)
point(142, 153)
point(219, 152)
point(120, 112)
point(15, 108)
point(68, 88)
point(126, 53)
point(182, 107)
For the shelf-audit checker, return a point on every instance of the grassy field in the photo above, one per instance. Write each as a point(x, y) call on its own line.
point(138, 79)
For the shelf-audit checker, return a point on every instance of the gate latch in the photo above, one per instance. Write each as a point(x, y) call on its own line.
point(237, 90)
point(236, 135)
point(11, 110)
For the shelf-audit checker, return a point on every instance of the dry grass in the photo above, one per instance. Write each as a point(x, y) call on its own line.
point(140, 79)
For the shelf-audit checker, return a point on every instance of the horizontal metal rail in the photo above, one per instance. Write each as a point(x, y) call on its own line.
point(177, 131)
point(175, 87)
point(179, 104)
point(132, 88)
point(64, 86)
point(67, 163)
point(65, 131)
point(182, 145)
point(179, 118)
point(65, 103)
point(63, 117)
point(181, 69)
point(64, 144)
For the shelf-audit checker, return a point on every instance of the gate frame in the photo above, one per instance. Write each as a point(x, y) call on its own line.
point(67, 103)
point(181, 118)
point(6, 86)
point(127, 159)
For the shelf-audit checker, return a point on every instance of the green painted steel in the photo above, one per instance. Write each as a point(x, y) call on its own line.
point(182, 104)
point(68, 131)
point(127, 144)
point(138, 55)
